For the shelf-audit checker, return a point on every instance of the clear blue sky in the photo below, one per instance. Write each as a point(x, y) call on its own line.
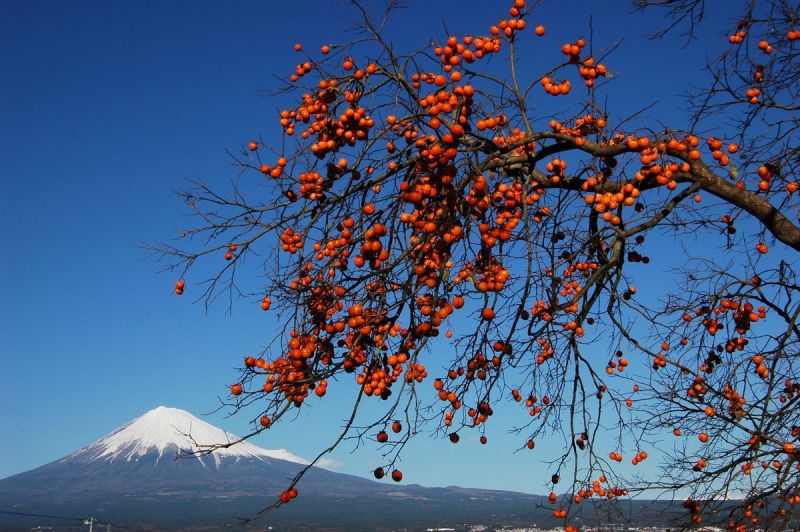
point(105, 107)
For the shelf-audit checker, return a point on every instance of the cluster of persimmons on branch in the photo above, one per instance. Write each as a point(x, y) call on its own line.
point(420, 205)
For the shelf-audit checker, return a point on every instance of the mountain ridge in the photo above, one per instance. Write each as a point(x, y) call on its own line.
point(123, 479)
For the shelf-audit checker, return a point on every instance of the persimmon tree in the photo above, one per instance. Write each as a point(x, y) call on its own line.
point(426, 198)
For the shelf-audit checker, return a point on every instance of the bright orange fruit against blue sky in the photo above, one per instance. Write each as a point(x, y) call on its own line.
point(107, 107)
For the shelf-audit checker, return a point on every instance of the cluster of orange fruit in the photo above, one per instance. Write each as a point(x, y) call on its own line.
point(301, 70)
point(698, 389)
point(275, 171)
point(738, 37)
point(351, 126)
point(492, 277)
point(311, 106)
point(547, 352)
point(554, 88)
point(454, 52)
point(494, 123)
point(752, 94)
point(735, 401)
point(583, 126)
point(760, 368)
point(372, 250)
point(291, 240)
point(619, 365)
point(288, 495)
point(376, 380)
point(639, 458)
point(517, 137)
point(765, 47)
point(589, 70)
point(693, 506)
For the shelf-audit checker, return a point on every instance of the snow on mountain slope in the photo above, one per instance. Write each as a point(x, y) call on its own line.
point(166, 431)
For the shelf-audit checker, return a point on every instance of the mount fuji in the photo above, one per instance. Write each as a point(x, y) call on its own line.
point(167, 432)
point(130, 478)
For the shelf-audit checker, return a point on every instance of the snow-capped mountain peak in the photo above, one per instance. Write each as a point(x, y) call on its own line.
point(168, 431)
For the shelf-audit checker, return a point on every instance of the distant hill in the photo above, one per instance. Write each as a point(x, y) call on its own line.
point(131, 480)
